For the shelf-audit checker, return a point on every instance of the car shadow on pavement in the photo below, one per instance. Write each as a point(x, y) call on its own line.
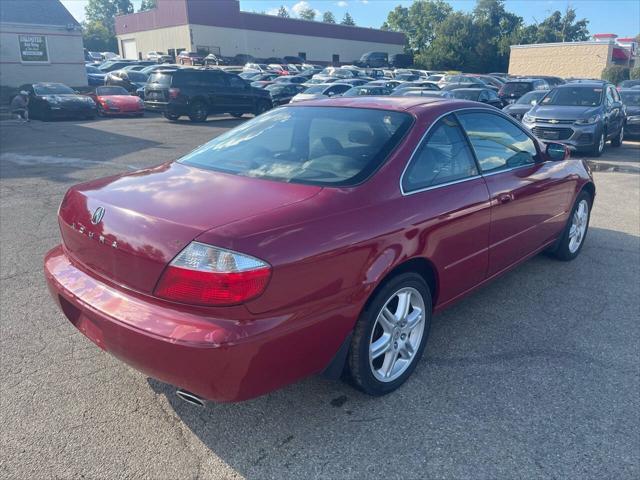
point(512, 378)
point(26, 150)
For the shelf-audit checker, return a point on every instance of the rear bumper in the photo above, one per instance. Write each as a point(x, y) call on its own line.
point(219, 359)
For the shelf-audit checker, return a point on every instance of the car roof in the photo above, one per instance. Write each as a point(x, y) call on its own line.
point(472, 89)
point(585, 84)
point(418, 105)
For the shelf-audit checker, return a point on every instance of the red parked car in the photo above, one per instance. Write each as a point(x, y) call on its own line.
point(317, 237)
point(111, 100)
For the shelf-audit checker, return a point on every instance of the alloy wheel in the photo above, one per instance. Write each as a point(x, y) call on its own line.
point(578, 226)
point(601, 143)
point(397, 334)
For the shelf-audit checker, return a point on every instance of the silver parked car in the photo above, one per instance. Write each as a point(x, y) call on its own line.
point(581, 115)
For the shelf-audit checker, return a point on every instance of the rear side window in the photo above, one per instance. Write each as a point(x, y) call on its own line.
point(497, 142)
point(443, 157)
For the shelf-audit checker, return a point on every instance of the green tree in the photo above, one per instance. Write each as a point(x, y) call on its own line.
point(328, 17)
point(147, 5)
point(97, 38)
point(105, 11)
point(453, 46)
point(495, 28)
point(307, 14)
point(559, 28)
point(418, 22)
point(282, 12)
point(615, 74)
point(347, 20)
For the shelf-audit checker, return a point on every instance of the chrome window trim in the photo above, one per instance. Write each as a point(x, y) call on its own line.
point(474, 177)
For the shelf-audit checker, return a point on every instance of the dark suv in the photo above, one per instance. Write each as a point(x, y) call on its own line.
point(514, 89)
point(581, 115)
point(199, 93)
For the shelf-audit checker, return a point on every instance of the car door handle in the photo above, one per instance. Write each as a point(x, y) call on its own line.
point(505, 197)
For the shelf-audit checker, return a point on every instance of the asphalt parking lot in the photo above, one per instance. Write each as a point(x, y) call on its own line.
point(534, 376)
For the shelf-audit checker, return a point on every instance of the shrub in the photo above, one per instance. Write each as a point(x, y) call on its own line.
point(615, 74)
point(634, 74)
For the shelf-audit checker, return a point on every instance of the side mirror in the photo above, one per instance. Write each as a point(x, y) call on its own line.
point(557, 151)
point(330, 94)
point(534, 102)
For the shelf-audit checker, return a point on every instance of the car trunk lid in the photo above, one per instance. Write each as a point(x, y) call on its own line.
point(128, 227)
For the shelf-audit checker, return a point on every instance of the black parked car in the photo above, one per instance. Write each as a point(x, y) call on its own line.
point(514, 89)
point(199, 93)
point(112, 65)
point(55, 100)
point(127, 79)
point(483, 95)
point(631, 99)
point(282, 93)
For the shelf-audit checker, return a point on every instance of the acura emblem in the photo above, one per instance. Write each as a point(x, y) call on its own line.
point(97, 216)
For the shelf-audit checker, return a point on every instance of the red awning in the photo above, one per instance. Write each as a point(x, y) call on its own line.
point(620, 54)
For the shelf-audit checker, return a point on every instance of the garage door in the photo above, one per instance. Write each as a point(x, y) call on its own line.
point(129, 49)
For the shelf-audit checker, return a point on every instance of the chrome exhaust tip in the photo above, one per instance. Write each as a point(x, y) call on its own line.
point(189, 397)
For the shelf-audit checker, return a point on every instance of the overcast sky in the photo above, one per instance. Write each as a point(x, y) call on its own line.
point(605, 16)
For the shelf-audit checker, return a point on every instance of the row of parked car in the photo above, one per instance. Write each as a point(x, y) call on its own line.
point(582, 113)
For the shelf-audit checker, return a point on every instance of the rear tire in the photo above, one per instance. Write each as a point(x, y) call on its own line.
point(575, 232)
point(390, 335)
point(616, 142)
point(262, 107)
point(198, 112)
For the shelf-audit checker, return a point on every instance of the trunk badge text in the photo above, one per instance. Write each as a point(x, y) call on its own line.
point(96, 218)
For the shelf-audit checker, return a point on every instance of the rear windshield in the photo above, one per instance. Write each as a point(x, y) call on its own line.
point(574, 96)
point(136, 76)
point(631, 98)
point(527, 98)
point(517, 87)
point(52, 89)
point(466, 94)
point(314, 145)
point(104, 91)
point(160, 78)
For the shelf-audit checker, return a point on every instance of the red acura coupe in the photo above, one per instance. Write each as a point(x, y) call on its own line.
point(111, 100)
point(315, 238)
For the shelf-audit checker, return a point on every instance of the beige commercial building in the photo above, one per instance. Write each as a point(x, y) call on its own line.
point(571, 59)
point(220, 27)
point(40, 41)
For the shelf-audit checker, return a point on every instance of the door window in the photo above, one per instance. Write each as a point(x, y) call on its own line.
point(444, 157)
point(497, 142)
point(609, 96)
point(236, 82)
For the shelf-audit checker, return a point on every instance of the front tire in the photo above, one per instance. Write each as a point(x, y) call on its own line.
point(598, 147)
point(616, 142)
point(390, 335)
point(575, 232)
point(171, 117)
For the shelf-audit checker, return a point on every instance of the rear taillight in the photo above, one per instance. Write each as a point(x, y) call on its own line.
point(206, 275)
point(174, 92)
